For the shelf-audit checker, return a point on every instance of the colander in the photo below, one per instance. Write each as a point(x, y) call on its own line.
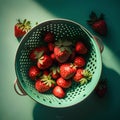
point(61, 28)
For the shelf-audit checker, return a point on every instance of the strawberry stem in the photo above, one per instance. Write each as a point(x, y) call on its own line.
point(87, 77)
point(25, 25)
point(47, 79)
point(93, 18)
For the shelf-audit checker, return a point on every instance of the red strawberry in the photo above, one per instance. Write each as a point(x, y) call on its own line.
point(38, 52)
point(34, 71)
point(67, 70)
point(98, 24)
point(53, 57)
point(21, 28)
point(82, 76)
point(41, 86)
point(80, 48)
point(62, 51)
point(55, 72)
point(78, 76)
point(61, 56)
point(44, 62)
point(51, 46)
point(55, 75)
point(46, 72)
point(79, 61)
point(101, 88)
point(44, 83)
point(48, 37)
point(58, 92)
point(63, 83)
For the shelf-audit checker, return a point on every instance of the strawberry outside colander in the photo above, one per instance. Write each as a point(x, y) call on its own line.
point(61, 28)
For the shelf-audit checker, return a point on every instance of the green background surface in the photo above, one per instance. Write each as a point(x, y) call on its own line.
point(15, 107)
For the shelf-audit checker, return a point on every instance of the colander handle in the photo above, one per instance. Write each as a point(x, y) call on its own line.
point(18, 89)
point(99, 42)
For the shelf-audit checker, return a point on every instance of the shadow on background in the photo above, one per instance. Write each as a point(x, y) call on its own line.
point(65, 9)
point(90, 108)
point(79, 11)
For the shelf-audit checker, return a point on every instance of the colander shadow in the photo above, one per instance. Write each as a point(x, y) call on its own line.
point(83, 110)
point(92, 107)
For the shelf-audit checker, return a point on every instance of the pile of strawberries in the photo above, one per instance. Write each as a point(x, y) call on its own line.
point(57, 63)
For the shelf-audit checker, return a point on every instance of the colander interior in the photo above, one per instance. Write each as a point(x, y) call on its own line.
point(61, 29)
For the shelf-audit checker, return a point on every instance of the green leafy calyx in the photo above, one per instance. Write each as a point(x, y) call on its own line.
point(93, 18)
point(64, 45)
point(47, 80)
point(24, 25)
point(86, 77)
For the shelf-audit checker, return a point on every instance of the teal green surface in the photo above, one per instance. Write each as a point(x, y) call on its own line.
point(15, 107)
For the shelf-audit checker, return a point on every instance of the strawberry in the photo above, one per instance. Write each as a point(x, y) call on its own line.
point(67, 70)
point(44, 62)
point(44, 83)
point(55, 72)
point(101, 88)
point(79, 61)
point(53, 56)
point(98, 24)
point(78, 75)
point(46, 72)
point(21, 28)
point(41, 86)
point(55, 75)
point(34, 71)
point(37, 52)
point(63, 83)
point(48, 37)
point(51, 46)
point(61, 55)
point(82, 76)
point(58, 92)
point(80, 48)
point(62, 50)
